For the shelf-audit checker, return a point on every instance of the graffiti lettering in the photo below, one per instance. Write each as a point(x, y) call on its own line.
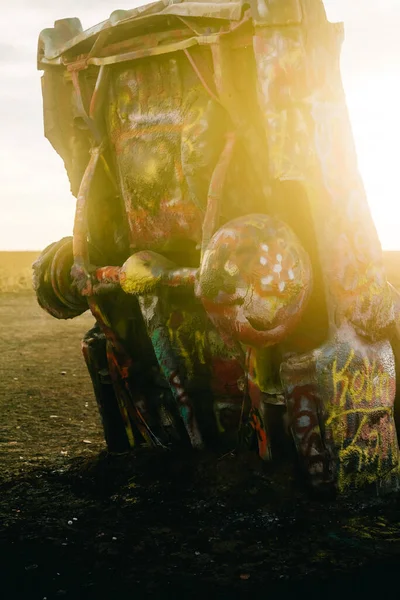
point(362, 395)
point(362, 385)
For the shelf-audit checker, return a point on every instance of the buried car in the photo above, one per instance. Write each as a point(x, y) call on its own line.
point(222, 236)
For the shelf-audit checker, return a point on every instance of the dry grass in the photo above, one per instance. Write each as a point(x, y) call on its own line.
point(16, 271)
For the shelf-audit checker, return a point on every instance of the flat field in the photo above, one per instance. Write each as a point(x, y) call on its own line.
point(16, 271)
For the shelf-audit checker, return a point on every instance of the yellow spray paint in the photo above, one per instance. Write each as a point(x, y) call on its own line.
point(137, 278)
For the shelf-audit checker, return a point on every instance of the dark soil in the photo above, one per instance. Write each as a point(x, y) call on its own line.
point(76, 523)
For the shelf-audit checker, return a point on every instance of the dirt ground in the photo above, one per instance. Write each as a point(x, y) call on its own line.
point(78, 524)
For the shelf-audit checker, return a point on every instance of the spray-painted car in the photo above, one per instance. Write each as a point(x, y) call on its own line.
point(222, 237)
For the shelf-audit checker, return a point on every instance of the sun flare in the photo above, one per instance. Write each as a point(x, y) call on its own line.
point(370, 65)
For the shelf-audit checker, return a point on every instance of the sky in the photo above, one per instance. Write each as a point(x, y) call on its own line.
point(36, 206)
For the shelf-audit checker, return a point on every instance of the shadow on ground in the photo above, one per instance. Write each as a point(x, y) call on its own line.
point(152, 525)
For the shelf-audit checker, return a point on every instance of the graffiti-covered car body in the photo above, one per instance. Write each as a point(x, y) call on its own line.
point(222, 236)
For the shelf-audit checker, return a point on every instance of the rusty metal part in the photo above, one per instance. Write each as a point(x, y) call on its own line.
point(93, 116)
point(201, 40)
point(215, 191)
point(200, 76)
point(99, 92)
point(81, 108)
point(54, 42)
point(107, 279)
point(120, 365)
point(52, 281)
point(149, 39)
point(80, 244)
